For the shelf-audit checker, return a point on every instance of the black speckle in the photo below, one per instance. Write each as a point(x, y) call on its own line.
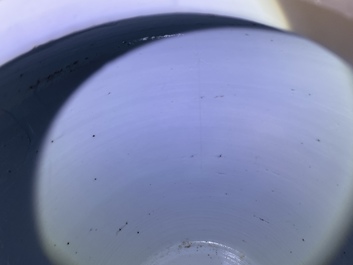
point(93, 135)
point(192, 156)
point(68, 243)
point(220, 155)
point(344, 252)
point(303, 239)
point(75, 62)
point(290, 252)
point(293, 89)
point(21, 75)
point(309, 94)
point(86, 58)
point(126, 223)
point(76, 252)
point(52, 141)
point(91, 229)
point(119, 229)
point(226, 193)
point(138, 232)
point(9, 171)
point(95, 178)
point(318, 140)
point(149, 213)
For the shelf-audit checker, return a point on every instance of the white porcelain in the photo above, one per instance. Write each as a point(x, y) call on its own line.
point(213, 136)
point(226, 145)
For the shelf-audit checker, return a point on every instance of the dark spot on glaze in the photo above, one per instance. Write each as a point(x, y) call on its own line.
point(120, 229)
point(303, 239)
point(186, 244)
point(68, 243)
point(52, 141)
point(138, 232)
point(93, 135)
point(95, 178)
point(318, 140)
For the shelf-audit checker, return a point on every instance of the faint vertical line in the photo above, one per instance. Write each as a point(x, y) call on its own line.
point(200, 113)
